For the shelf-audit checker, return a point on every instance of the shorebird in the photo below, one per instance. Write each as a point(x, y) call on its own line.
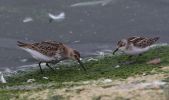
point(135, 45)
point(50, 52)
point(53, 17)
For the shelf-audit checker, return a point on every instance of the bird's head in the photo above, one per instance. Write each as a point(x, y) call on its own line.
point(75, 55)
point(121, 45)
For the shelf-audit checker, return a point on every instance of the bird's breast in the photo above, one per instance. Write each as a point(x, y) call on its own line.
point(136, 50)
point(38, 56)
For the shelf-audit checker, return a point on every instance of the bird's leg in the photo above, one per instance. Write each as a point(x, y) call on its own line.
point(49, 66)
point(57, 61)
point(140, 54)
point(135, 60)
point(139, 60)
point(129, 61)
point(129, 57)
point(40, 67)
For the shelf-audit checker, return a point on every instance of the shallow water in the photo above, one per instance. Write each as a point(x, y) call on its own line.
point(89, 29)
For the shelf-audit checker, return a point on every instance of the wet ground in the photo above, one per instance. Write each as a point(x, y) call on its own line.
point(89, 28)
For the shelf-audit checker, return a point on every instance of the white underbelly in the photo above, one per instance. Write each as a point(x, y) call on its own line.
point(38, 56)
point(136, 51)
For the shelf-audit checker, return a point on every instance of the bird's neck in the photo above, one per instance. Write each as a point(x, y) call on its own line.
point(68, 51)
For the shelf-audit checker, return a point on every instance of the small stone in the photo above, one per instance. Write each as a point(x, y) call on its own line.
point(30, 80)
point(92, 59)
point(45, 78)
point(154, 61)
point(144, 74)
point(24, 60)
point(117, 66)
point(107, 81)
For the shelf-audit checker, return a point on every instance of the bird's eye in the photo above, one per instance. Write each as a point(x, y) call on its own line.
point(122, 44)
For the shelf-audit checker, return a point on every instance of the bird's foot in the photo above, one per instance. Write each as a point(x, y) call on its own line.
point(49, 67)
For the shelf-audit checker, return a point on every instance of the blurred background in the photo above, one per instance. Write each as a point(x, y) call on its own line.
point(91, 27)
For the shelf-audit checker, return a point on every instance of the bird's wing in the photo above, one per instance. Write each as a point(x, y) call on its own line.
point(49, 48)
point(140, 42)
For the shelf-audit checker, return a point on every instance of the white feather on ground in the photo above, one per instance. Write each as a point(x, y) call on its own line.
point(45, 78)
point(2, 78)
point(27, 19)
point(31, 80)
point(91, 3)
point(59, 17)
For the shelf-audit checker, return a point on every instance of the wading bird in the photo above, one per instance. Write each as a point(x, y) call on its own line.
point(50, 52)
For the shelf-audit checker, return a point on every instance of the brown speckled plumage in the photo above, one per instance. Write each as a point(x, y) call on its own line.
point(135, 45)
point(142, 42)
point(48, 48)
point(50, 52)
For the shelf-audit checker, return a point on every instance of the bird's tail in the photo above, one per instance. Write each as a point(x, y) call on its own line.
point(21, 44)
point(155, 39)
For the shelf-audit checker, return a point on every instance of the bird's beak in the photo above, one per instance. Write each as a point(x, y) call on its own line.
point(115, 51)
point(81, 64)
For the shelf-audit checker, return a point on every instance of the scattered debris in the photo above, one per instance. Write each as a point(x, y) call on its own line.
point(154, 84)
point(101, 53)
point(57, 68)
point(92, 59)
point(30, 80)
point(144, 74)
point(58, 18)
point(117, 66)
point(27, 19)
point(107, 81)
point(2, 78)
point(7, 70)
point(161, 83)
point(45, 78)
point(81, 58)
point(71, 32)
point(154, 61)
point(86, 82)
point(24, 60)
point(76, 41)
point(91, 3)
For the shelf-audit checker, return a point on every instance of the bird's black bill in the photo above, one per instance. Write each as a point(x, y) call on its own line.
point(81, 64)
point(115, 51)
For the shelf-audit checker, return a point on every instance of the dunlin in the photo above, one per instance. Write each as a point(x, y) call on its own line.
point(50, 52)
point(135, 45)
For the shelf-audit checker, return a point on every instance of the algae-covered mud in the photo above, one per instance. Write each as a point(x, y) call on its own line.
point(106, 73)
